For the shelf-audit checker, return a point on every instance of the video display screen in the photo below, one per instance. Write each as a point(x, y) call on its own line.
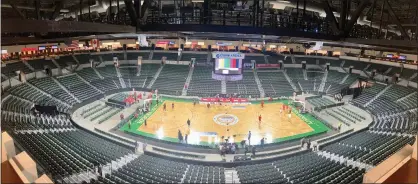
point(227, 66)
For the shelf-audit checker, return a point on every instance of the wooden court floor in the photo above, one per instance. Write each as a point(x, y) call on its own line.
point(273, 125)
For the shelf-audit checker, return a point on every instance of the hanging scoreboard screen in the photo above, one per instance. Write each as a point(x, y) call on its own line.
point(228, 66)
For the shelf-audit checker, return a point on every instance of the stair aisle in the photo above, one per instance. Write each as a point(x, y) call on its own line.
point(231, 176)
point(187, 83)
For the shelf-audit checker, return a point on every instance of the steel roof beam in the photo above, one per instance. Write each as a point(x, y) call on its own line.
point(330, 16)
point(21, 15)
point(354, 16)
point(395, 18)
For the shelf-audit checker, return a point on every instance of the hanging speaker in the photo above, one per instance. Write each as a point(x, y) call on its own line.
point(236, 48)
point(210, 47)
point(182, 46)
point(87, 43)
point(327, 67)
point(124, 46)
point(304, 66)
point(350, 70)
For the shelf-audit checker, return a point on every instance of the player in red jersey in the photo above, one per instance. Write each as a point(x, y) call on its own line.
point(262, 103)
point(259, 119)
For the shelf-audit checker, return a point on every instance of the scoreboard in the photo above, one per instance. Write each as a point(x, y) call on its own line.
point(228, 63)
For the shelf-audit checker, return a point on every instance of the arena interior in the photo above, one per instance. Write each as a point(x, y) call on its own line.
point(209, 91)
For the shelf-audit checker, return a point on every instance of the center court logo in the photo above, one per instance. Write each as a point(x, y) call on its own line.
point(225, 119)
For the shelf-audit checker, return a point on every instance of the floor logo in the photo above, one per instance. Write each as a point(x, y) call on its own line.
point(225, 119)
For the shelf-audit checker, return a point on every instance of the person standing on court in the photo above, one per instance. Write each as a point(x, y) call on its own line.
point(185, 138)
point(249, 137)
point(179, 136)
point(172, 106)
point(164, 107)
point(262, 142)
point(188, 122)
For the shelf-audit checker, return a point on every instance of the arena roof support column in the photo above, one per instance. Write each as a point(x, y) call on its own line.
point(81, 10)
point(343, 15)
point(372, 10)
point(131, 11)
point(117, 5)
point(109, 16)
point(330, 16)
point(21, 15)
point(355, 16)
point(37, 9)
point(396, 20)
point(58, 6)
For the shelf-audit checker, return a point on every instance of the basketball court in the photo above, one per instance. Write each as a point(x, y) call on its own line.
point(214, 124)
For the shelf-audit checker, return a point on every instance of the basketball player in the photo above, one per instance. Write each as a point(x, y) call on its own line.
point(259, 119)
point(188, 122)
point(262, 103)
point(172, 106)
point(165, 107)
point(208, 105)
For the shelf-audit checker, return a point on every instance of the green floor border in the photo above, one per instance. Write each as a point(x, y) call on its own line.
point(317, 126)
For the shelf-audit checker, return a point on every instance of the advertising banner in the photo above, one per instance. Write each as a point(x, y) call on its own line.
point(235, 55)
point(225, 100)
point(268, 65)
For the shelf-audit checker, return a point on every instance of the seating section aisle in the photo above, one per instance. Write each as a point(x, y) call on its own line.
point(48, 85)
point(148, 72)
point(202, 83)
point(245, 87)
point(368, 94)
point(129, 75)
point(275, 84)
point(27, 92)
point(171, 79)
point(76, 86)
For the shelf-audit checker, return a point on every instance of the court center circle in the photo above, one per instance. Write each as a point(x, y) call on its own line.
point(225, 119)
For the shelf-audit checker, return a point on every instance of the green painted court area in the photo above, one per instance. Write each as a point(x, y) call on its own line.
point(317, 126)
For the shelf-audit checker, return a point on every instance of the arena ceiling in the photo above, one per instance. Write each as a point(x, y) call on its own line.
point(397, 15)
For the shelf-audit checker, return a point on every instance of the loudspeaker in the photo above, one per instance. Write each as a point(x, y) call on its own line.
point(327, 67)
point(350, 70)
point(87, 43)
point(373, 73)
point(281, 65)
point(182, 46)
point(153, 46)
point(304, 66)
point(124, 46)
point(291, 50)
point(236, 48)
point(210, 47)
point(330, 53)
